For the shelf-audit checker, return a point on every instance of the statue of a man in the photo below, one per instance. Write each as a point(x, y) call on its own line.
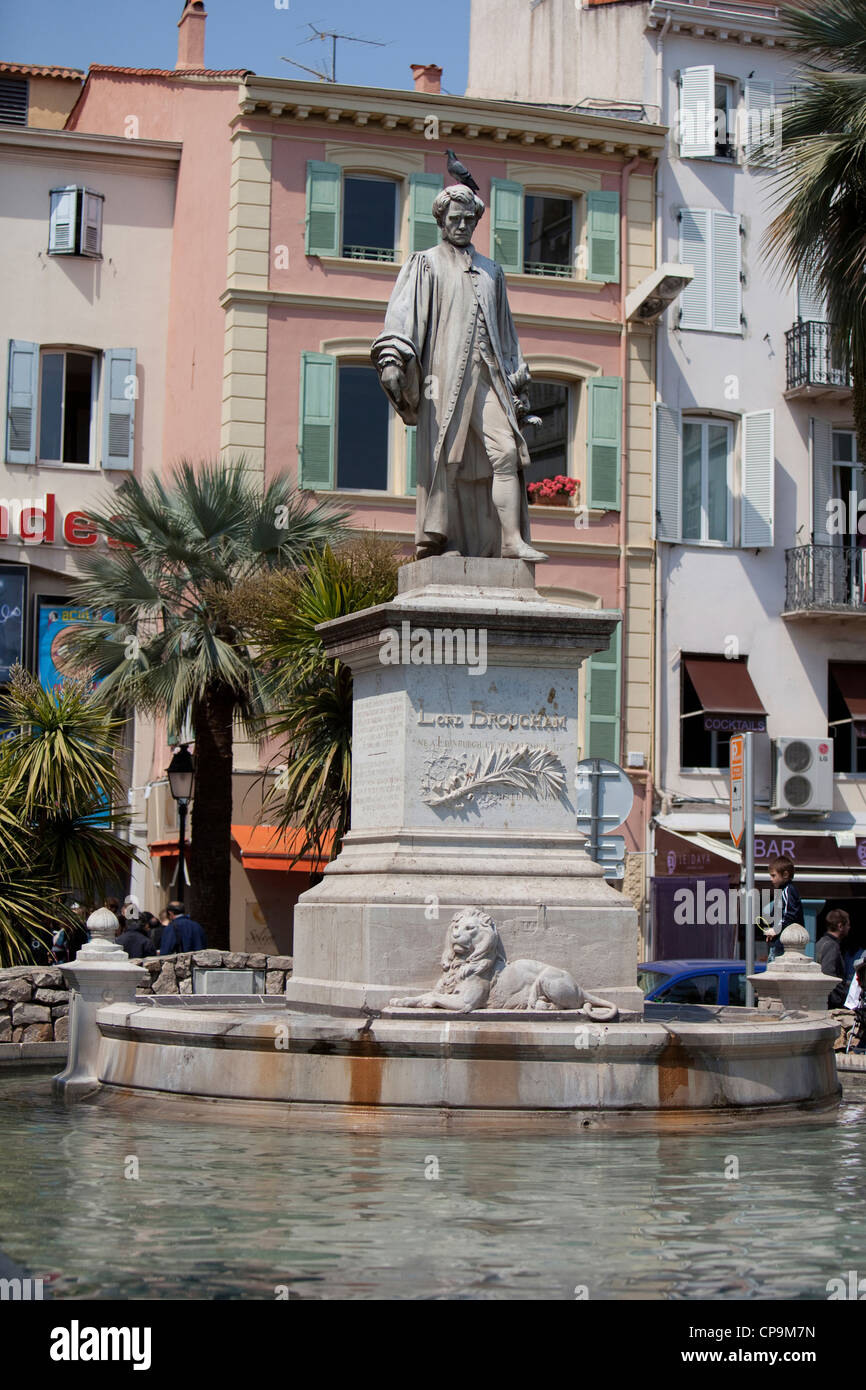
point(450, 363)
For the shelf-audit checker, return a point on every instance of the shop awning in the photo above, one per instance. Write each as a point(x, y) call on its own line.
point(850, 677)
point(729, 700)
point(266, 847)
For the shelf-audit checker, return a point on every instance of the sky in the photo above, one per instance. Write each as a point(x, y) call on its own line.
point(252, 34)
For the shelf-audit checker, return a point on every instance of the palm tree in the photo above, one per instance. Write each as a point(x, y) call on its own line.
point(311, 693)
point(59, 807)
point(175, 555)
point(821, 230)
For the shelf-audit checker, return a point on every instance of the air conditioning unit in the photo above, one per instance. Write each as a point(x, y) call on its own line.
point(802, 776)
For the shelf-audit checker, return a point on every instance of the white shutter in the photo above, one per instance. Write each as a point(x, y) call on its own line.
point(811, 305)
point(668, 473)
point(695, 251)
point(822, 479)
point(697, 113)
point(761, 117)
point(91, 223)
point(756, 503)
point(22, 388)
point(120, 391)
point(727, 299)
point(62, 220)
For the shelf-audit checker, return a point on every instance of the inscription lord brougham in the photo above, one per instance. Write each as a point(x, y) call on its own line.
point(481, 718)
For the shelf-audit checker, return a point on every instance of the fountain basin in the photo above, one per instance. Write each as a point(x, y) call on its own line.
point(690, 1062)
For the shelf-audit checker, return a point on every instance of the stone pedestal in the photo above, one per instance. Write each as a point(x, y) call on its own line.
point(101, 973)
point(793, 982)
point(465, 748)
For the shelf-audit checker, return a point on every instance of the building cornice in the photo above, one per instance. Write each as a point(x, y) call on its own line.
point(467, 118)
point(31, 143)
point(742, 24)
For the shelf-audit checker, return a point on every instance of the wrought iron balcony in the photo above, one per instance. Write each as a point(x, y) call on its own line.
point(810, 368)
point(824, 579)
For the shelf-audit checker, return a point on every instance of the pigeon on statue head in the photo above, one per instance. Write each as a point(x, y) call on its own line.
point(459, 172)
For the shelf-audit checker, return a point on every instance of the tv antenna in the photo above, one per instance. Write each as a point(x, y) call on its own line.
point(324, 76)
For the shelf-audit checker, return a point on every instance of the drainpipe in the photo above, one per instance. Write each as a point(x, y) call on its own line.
point(660, 48)
point(623, 372)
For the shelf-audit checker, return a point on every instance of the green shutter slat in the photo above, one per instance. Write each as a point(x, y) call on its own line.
point(602, 235)
point(411, 467)
point(604, 442)
point(603, 701)
point(318, 415)
point(506, 224)
point(120, 389)
point(423, 229)
point(22, 388)
point(324, 187)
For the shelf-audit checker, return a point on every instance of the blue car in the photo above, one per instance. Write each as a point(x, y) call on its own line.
point(694, 981)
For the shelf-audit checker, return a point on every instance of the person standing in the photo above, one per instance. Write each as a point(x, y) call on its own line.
point(135, 942)
point(828, 954)
point(787, 906)
point(183, 933)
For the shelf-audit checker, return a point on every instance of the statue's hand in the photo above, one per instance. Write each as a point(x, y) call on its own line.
point(394, 381)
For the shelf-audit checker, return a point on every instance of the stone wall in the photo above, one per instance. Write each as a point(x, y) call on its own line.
point(34, 999)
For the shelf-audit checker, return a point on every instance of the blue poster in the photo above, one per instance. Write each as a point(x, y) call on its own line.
point(13, 587)
point(53, 664)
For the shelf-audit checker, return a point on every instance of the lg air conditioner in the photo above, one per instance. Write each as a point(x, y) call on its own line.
point(802, 776)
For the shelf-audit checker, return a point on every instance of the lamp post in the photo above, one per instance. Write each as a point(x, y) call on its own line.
point(180, 772)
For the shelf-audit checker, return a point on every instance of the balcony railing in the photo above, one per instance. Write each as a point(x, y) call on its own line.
point(369, 253)
point(560, 272)
point(809, 357)
point(824, 578)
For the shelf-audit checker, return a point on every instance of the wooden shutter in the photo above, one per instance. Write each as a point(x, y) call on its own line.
point(506, 224)
point(91, 223)
point(324, 221)
point(668, 473)
point(756, 504)
point(423, 230)
point(602, 236)
point(695, 251)
point(604, 442)
point(411, 466)
point(118, 408)
point(727, 296)
point(603, 701)
point(63, 220)
point(761, 120)
point(318, 420)
point(22, 389)
point(811, 304)
point(821, 433)
point(697, 113)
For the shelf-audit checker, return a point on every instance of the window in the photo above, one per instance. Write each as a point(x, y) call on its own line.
point(710, 242)
point(849, 484)
point(706, 493)
point(717, 699)
point(75, 222)
point(725, 97)
point(369, 218)
point(548, 235)
point(699, 747)
point(695, 479)
point(56, 398)
point(548, 442)
point(691, 989)
point(533, 233)
point(13, 100)
point(67, 400)
point(847, 732)
point(712, 122)
point(345, 427)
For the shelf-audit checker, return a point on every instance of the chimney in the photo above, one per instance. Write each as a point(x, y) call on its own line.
point(190, 37)
point(428, 78)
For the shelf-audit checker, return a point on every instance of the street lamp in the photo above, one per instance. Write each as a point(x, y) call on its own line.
point(180, 772)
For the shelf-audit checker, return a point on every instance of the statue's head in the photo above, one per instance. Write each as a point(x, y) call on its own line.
point(472, 937)
point(457, 210)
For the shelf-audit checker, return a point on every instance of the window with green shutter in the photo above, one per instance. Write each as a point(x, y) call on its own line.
point(423, 228)
point(323, 232)
point(317, 416)
point(506, 224)
point(602, 235)
point(604, 442)
point(603, 701)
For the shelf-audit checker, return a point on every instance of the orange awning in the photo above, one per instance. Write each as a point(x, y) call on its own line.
point(164, 849)
point(265, 847)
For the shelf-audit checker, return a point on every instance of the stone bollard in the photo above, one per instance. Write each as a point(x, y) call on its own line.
point(793, 982)
point(101, 973)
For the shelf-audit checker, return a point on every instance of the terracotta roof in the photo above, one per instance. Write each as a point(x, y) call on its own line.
point(39, 70)
point(172, 72)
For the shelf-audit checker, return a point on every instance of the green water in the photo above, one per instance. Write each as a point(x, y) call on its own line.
point(254, 1210)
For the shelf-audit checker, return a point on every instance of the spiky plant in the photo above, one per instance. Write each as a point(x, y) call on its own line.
point(177, 551)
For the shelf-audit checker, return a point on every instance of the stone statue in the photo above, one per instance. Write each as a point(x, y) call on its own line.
point(450, 363)
point(475, 975)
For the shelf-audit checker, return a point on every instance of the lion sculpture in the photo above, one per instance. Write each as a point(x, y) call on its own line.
point(476, 975)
